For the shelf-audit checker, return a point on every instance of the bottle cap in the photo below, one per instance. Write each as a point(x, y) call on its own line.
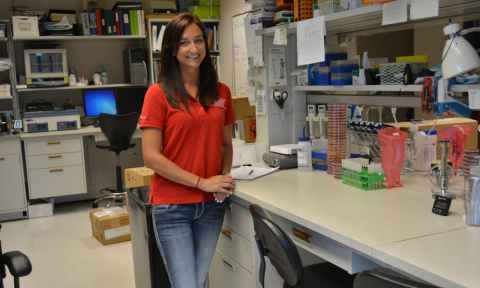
point(432, 132)
point(407, 68)
point(413, 128)
point(303, 138)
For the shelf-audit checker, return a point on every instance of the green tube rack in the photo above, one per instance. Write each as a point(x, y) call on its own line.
point(362, 180)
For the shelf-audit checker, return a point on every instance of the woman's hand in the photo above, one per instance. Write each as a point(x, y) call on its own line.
point(221, 186)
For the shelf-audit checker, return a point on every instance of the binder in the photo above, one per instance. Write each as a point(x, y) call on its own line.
point(109, 22)
point(118, 31)
point(126, 22)
point(84, 24)
point(139, 22)
point(144, 29)
point(160, 38)
point(98, 16)
point(93, 23)
point(154, 37)
point(133, 21)
point(104, 24)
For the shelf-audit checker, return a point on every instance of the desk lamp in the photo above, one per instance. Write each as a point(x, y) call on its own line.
point(458, 57)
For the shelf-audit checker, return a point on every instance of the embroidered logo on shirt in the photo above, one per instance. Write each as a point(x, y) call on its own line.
point(220, 103)
point(143, 117)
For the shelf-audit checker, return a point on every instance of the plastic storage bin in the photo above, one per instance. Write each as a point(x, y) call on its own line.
point(340, 79)
point(334, 54)
point(322, 76)
point(343, 66)
point(148, 266)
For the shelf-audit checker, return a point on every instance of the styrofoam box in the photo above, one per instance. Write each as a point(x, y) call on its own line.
point(24, 26)
point(40, 208)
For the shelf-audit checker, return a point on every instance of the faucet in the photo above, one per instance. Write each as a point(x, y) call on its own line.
point(379, 108)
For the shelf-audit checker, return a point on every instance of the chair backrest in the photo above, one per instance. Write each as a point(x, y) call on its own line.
point(274, 243)
point(380, 279)
point(118, 129)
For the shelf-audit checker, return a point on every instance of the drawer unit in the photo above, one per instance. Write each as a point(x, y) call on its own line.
point(239, 220)
point(237, 248)
point(9, 146)
point(317, 244)
point(60, 181)
point(224, 272)
point(12, 194)
point(53, 146)
point(55, 160)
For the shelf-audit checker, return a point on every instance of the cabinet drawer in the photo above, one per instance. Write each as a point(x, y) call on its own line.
point(60, 181)
point(224, 272)
point(53, 146)
point(9, 146)
point(237, 248)
point(239, 220)
point(55, 160)
point(316, 244)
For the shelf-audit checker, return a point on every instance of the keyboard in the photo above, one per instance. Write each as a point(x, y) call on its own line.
point(96, 124)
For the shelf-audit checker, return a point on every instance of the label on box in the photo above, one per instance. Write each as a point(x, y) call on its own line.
point(117, 232)
point(111, 211)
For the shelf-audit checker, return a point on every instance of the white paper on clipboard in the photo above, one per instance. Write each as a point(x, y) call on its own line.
point(423, 9)
point(310, 40)
point(278, 67)
point(394, 12)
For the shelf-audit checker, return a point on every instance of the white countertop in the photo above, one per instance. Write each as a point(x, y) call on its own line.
point(83, 131)
point(364, 220)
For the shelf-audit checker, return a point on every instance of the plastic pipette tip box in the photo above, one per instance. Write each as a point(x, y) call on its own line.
point(364, 180)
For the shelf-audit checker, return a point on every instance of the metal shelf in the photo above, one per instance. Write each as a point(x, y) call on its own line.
point(373, 100)
point(79, 87)
point(391, 88)
point(168, 20)
point(80, 38)
point(368, 20)
point(6, 97)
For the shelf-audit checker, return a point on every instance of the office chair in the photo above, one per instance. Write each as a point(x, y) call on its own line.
point(18, 264)
point(380, 279)
point(275, 244)
point(119, 130)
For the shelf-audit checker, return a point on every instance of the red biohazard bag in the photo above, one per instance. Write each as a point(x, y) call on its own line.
point(392, 150)
point(457, 135)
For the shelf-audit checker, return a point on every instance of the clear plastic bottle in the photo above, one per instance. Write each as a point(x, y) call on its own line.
point(304, 153)
point(104, 76)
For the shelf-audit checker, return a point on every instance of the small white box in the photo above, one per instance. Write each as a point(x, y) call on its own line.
point(24, 26)
point(302, 79)
point(40, 208)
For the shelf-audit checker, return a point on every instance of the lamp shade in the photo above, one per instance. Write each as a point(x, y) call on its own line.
point(459, 56)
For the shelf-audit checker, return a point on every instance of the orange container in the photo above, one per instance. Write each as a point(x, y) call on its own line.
point(284, 5)
point(303, 9)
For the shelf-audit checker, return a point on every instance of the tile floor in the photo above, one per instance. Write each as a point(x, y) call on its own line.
point(64, 253)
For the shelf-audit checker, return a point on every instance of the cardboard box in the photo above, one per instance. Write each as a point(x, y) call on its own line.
point(471, 142)
point(246, 113)
point(25, 26)
point(139, 176)
point(40, 208)
point(197, 10)
point(110, 225)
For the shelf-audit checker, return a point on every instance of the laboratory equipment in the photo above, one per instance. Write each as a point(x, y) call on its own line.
point(39, 105)
point(337, 138)
point(425, 149)
point(280, 98)
point(104, 76)
point(334, 53)
point(45, 121)
point(472, 197)
point(392, 150)
point(130, 100)
point(304, 153)
point(441, 205)
point(285, 149)
point(456, 135)
point(407, 75)
point(98, 101)
point(96, 78)
point(81, 80)
point(322, 75)
point(312, 111)
point(282, 156)
point(459, 57)
point(361, 174)
point(46, 66)
point(344, 66)
point(72, 81)
point(134, 61)
point(440, 175)
point(340, 79)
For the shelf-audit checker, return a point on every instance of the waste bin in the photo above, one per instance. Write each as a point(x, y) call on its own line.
point(147, 261)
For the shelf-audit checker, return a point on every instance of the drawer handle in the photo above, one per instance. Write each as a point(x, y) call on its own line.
point(54, 142)
point(56, 169)
point(2, 158)
point(302, 237)
point(55, 156)
point(227, 264)
point(227, 234)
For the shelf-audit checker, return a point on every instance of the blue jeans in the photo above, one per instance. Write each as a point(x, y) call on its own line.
point(187, 235)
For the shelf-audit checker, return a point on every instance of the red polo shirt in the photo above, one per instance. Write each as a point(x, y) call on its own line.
point(192, 141)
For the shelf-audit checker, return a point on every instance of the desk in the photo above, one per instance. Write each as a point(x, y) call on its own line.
point(392, 227)
point(86, 169)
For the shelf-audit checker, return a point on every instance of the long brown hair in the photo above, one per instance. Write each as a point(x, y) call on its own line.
point(170, 75)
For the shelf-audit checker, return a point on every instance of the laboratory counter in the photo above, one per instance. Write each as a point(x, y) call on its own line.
point(83, 131)
point(393, 227)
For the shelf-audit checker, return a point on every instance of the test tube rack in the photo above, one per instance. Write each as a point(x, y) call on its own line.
point(363, 180)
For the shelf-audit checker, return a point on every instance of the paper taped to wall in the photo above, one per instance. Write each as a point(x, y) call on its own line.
point(394, 12)
point(423, 9)
point(310, 41)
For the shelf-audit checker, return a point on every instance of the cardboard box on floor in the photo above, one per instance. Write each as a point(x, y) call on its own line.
point(471, 142)
point(139, 176)
point(110, 225)
point(246, 113)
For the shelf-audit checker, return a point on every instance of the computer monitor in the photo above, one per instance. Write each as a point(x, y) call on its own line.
point(130, 100)
point(98, 101)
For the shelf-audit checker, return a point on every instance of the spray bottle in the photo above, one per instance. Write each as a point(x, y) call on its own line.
point(104, 76)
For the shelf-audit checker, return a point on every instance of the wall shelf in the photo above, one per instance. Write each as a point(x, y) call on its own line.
point(80, 38)
point(79, 87)
point(368, 20)
point(391, 88)
point(391, 101)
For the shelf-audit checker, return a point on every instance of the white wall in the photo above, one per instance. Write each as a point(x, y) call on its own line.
point(229, 8)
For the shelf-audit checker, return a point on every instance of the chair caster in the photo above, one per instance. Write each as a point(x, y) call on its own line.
point(94, 205)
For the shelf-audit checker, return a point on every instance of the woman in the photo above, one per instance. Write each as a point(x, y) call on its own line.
point(187, 141)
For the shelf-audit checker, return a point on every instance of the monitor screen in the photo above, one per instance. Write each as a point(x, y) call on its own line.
point(99, 101)
point(130, 100)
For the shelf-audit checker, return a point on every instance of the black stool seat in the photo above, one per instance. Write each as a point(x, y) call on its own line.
point(18, 263)
point(324, 275)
